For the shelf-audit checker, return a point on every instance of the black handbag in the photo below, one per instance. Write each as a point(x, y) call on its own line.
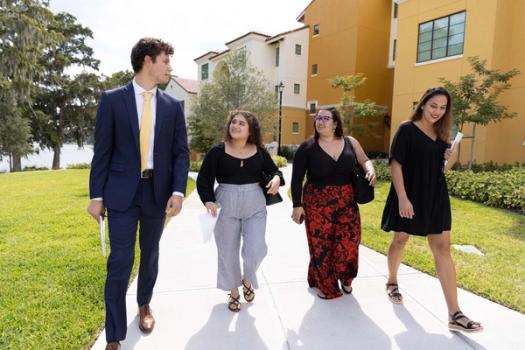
point(270, 198)
point(265, 178)
point(363, 192)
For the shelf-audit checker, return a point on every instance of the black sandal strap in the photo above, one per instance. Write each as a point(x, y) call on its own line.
point(394, 293)
point(248, 290)
point(236, 300)
point(457, 315)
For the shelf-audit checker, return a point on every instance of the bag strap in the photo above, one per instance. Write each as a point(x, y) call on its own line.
point(356, 164)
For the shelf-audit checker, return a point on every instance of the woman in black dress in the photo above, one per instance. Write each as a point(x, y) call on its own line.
point(327, 204)
point(418, 201)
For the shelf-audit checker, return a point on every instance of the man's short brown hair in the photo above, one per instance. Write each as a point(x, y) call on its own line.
point(151, 47)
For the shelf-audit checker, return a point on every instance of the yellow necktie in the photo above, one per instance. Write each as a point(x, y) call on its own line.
point(145, 130)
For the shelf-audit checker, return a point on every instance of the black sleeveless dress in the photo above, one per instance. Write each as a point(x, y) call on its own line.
point(422, 161)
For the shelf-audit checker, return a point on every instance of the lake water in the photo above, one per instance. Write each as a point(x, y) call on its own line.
point(70, 154)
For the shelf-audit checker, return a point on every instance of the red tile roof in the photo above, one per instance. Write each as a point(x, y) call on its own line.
point(189, 85)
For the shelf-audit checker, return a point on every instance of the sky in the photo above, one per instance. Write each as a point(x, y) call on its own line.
point(193, 27)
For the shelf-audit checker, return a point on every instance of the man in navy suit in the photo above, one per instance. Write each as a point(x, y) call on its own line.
point(138, 173)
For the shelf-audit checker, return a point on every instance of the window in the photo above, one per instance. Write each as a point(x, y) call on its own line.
point(277, 91)
point(442, 37)
point(312, 107)
point(182, 104)
point(394, 50)
point(295, 128)
point(314, 69)
point(298, 49)
point(277, 49)
point(396, 9)
point(296, 88)
point(204, 71)
point(316, 29)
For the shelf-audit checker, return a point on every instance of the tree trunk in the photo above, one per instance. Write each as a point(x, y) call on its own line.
point(16, 163)
point(472, 147)
point(56, 157)
point(459, 146)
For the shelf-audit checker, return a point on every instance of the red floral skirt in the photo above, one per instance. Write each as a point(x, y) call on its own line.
point(333, 230)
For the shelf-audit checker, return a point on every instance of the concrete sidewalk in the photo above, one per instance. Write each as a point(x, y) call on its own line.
point(191, 313)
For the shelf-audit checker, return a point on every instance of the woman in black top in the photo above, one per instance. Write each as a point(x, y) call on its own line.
point(327, 203)
point(237, 165)
point(418, 202)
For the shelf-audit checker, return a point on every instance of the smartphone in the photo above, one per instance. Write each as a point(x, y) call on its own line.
point(301, 218)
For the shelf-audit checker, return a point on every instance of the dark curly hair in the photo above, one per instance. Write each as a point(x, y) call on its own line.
point(151, 47)
point(336, 117)
point(254, 129)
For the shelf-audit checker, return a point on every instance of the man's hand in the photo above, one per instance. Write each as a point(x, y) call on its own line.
point(174, 206)
point(96, 209)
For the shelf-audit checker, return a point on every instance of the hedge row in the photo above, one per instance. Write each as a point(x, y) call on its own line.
point(501, 187)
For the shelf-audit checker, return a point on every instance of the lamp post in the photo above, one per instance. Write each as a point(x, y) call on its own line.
point(281, 88)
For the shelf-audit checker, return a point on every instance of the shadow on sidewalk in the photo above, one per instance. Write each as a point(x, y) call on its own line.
point(337, 324)
point(227, 330)
point(415, 334)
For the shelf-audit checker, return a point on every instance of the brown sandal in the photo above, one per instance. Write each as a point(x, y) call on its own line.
point(234, 303)
point(469, 326)
point(248, 292)
point(394, 295)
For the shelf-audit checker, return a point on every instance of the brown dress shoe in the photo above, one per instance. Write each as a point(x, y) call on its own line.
point(146, 320)
point(114, 345)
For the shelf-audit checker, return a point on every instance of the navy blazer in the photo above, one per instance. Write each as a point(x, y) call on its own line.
point(115, 168)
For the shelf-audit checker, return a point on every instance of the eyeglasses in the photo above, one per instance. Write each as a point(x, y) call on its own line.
point(323, 118)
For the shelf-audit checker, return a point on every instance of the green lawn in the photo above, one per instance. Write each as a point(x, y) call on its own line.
point(499, 234)
point(51, 285)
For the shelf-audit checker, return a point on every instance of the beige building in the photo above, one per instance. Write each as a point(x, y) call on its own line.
point(281, 58)
point(183, 90)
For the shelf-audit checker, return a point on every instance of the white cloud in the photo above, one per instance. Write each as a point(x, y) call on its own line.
point(193, 27)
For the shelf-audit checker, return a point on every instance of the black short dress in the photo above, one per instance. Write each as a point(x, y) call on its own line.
point(422, 161)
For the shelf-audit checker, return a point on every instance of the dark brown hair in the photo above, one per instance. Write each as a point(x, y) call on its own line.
point(336, 117)
point(254, 129)
point(443, 125)
point(151, 47)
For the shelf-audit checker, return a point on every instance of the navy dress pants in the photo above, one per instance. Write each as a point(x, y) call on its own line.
point(149, 216)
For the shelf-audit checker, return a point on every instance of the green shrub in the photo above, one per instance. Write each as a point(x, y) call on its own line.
point(288, 151)
point(280, 161)
point(376, 155)
point(35, 168)
point(502, 189)
point(382, 169)
point(489, 166)
point(79, 166)
point(195, 165)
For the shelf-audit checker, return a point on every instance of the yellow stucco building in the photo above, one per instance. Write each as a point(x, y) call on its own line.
point(348, 37)
point(435, 38)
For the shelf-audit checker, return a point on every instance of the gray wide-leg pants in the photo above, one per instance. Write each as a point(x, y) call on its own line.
point(242, 214)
